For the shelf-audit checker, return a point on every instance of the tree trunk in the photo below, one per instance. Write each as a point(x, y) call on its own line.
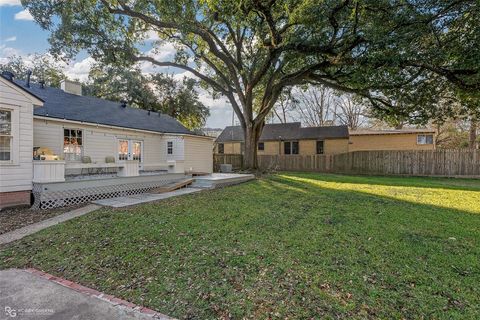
point(252, 135)
point(472, 139)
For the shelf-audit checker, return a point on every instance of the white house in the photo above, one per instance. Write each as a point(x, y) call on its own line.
point(69, 134)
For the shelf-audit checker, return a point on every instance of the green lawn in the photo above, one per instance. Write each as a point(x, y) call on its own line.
point(291, 245)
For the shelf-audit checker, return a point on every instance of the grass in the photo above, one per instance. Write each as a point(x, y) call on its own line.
point(293, 245)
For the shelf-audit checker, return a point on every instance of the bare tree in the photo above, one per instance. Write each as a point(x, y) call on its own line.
point(351, 111)
point(283, 109)
point(316, 106)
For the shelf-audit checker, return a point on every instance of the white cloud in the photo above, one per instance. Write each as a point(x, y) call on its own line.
point(164, 52)
point(10, 3)
point(80, 70)
point(8, 51)
point(220, 112)
point(24, 15)
point(152, 36)
point(10, 39)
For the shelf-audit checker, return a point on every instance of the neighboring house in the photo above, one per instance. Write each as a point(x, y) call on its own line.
point(404, 139)
point(74, 128)
point(211, 132)
point(287, 138)
point(291, 138)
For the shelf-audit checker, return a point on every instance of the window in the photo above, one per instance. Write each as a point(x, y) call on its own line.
point(169, 147)
point(425, 139)
point(6, 135)
point(221, 148)
point(295, 147)
point(320, 149)
point(261, 146)
point(72, 144)
point(290, 147)
point(122, 150)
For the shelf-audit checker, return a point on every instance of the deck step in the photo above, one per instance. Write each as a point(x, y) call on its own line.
point(172, 186)
point(219, 180)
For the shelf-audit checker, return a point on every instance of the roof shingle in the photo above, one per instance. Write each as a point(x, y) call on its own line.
point(286, 131)
point(63, 105)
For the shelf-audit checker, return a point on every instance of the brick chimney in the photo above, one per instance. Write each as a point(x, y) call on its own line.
point(71, 87)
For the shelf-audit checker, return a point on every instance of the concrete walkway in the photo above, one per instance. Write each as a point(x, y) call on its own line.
point(35, 295)
point(35, 227)
point(143, 198)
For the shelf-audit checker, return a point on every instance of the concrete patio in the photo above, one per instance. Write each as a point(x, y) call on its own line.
point(31, 294)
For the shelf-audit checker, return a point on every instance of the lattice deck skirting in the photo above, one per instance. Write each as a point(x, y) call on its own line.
point(59, 194)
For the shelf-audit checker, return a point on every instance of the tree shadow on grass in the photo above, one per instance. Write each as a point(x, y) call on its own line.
point(460, 199)
point(423, 258)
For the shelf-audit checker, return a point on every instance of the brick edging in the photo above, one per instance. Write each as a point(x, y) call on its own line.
point(97, 294)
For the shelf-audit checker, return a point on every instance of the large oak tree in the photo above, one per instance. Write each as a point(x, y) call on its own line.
point(250, 51)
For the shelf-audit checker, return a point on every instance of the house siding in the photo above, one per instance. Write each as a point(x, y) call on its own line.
point(17, 175)
point(307, 147)
point(198, 154)
point(98, 142)
point(230, 148)
point(101, 142)
point(271, 148)
point(404, 141)
point(335, 146)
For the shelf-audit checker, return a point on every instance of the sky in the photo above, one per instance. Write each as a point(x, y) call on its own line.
point(20, 35)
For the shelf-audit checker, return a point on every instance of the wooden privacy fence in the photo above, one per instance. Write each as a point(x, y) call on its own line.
point(235, 160)
point(449, 163)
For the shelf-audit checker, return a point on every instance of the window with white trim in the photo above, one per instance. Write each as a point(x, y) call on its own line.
point(425, 139)
point(72, 144)
point(169, 147)
point(6, 136)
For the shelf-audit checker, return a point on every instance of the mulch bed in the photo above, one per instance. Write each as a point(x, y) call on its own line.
point(14, 218)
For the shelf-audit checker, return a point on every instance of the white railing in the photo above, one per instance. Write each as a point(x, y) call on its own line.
point(48, 171)
point(129, 168)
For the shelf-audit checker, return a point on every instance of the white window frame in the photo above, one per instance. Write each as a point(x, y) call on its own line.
point(14, 134)
point(82, 147)
point(425, 137)
point(130, 157)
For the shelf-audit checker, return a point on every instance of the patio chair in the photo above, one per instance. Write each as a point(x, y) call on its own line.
point(86, 159)
point(110, 160)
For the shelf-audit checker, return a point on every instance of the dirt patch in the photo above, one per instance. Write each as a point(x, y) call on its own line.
point(11, 219)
